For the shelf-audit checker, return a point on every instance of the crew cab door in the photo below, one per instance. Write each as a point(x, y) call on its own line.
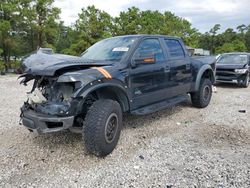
point(150, 74)
point(180, 67)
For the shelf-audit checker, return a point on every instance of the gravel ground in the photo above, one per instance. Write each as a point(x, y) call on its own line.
point(178, 147)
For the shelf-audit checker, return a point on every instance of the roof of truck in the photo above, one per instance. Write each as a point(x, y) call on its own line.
point(243, 53)
point(148, 35)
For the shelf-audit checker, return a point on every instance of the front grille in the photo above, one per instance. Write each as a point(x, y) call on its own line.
point(225, 72)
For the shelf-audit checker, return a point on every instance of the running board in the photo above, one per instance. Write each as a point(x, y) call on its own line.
point(160, 105)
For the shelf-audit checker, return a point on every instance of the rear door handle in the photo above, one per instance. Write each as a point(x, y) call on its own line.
point(167, 68)
point(187, 66)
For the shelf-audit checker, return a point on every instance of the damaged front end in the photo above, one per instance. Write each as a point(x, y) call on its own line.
point(54, 102)
point(50, 106)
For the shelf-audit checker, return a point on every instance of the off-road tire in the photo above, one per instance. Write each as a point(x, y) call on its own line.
point(245, 84)
point(96, 126)
point(202, 97)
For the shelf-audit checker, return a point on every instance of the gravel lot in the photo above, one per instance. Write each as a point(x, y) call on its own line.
point(178, 147)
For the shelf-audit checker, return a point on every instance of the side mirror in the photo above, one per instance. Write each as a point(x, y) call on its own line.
point(190, 53)
point(145, 59)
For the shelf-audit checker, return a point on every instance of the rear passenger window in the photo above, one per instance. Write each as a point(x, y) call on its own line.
point(175, 48)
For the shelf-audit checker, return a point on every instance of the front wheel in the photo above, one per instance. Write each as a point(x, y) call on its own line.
point(245, 83)
point(202, 97)
point(102, 127)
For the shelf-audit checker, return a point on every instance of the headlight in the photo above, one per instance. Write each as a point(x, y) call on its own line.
point(240, 71)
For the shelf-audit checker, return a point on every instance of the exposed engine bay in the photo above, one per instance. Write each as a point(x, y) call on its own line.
point(51, 97)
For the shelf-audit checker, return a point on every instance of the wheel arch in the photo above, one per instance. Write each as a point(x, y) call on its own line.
point(205, 72)
point(110, 91)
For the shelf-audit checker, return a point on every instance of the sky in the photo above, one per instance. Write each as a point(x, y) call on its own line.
point(203, 14)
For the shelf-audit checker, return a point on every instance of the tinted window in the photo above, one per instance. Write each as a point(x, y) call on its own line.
point(175, 48)
point(150, 47)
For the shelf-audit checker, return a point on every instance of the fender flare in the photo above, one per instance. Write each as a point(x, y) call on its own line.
point(200, 74)
point(125, 104)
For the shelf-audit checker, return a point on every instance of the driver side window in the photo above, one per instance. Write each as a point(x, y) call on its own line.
point(150, 47)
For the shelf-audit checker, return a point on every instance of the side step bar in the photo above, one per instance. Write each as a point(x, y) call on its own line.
point(161, 105)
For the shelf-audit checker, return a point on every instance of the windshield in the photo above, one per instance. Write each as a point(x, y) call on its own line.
point(233, 59)
point(112, 49)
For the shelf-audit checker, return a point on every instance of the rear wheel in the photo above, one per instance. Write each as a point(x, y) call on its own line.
point(102, 127)
point(202, 97)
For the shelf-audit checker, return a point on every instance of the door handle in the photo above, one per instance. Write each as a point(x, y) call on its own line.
point(167, 68)
point(187, 66)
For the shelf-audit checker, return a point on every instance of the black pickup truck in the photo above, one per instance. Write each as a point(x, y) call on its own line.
point(233, 67)
point(137, 74)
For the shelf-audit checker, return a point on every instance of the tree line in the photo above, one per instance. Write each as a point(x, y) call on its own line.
point(26, 25)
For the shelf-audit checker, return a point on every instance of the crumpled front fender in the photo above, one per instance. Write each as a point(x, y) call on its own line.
point(84, 78)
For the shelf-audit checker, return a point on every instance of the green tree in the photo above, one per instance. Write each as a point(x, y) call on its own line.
point(45, 20)
point(227, 41)
point(234, 46)
point(26, 24)
point(8, 21)
point(91, 26)
point(128, 22)
point(241, 28)
point(134, 21)
point(66, 37)
point(229, 35)
point(213, 33)
point(247, 39)
point(150, 22)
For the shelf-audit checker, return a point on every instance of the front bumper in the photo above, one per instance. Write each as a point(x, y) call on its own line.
point(41, 123)
point(225, 76)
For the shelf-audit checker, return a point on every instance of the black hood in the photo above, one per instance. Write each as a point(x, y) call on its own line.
point(48, 64)
point(231, 66)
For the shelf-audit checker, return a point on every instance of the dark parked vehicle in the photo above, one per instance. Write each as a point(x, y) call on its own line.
point(137, 74)
point(233, 67)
